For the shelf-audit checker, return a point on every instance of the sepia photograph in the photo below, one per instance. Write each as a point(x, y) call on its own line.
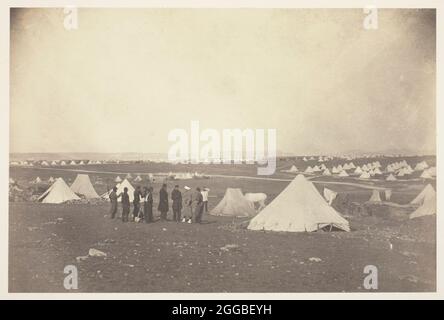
point(222, 150)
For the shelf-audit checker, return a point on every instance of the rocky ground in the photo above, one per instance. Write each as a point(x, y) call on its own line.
point(219, 255)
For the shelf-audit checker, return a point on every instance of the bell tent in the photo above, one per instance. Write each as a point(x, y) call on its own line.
point(58, 192)
point(120, 186)
point(82, 185)
point(234, 204)
point(299, 208)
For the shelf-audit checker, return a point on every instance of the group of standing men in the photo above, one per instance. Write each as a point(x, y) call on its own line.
point(195, 202)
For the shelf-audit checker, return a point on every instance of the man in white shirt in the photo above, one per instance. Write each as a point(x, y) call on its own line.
point(204, 193)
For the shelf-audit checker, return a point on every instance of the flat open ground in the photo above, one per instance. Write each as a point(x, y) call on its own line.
point(178, 257)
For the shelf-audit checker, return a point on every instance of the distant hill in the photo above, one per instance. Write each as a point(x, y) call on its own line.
point(128, 156)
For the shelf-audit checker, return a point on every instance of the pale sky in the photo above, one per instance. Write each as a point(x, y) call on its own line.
point(126, 77)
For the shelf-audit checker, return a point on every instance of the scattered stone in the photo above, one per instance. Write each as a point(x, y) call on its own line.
point(228, 247)
point(315, 259)
point(81, 258)
point(96, 253)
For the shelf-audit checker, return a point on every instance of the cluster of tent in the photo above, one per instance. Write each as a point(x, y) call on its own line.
point(60, 192)
point(427, 172)
point(22, 163)
point(368, 170)
point(138, 178)
point(299, 208)
point(181, 175)
point(39, 180)
point(320, 158)
point(399, 169)
point(402, 168)
point(73, 162)
point(47, 163)
point(425, 202)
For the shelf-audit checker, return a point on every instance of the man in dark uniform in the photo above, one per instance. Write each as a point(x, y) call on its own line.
point(113, 198)
point(125, 205)
point(197, 205)
point(176, 196)
point(136, 202)
point(148, 205)
point(163, 203)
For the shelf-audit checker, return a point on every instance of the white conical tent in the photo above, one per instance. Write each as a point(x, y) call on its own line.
point(82, 185)
point(45, 163)
point(37, 180)
point(63, 163)
point(426, 175)
point(428, 207)
point(54, 163)
point(234, 204)
point(343, 173)
point(118, 179)
point(427, 193)
point(358, 170)
point(432, 171)
point(377, 171)
point(72, 162)
point(138, 179)
point(58, 192)
point(308, 170)
point(128, 176)
point(391, 177)
point(51, 179)
point(298, 208)
point(326, 172)
point(421, 166)
point(364, 175)
point(293, 169)
point(120, 186)
point(375, 196)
